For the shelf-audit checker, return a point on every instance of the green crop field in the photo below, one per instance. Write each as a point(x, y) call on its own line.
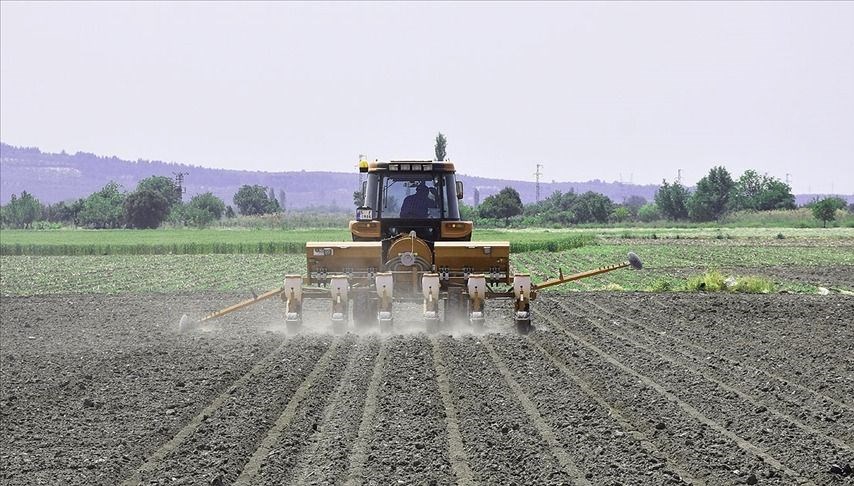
point(666, 259)
point(232, 241)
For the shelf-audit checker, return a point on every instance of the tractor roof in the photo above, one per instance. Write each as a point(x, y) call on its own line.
point(406, 166)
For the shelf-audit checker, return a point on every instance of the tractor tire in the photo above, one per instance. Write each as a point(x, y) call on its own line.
point(456, 307)
point(364, 310)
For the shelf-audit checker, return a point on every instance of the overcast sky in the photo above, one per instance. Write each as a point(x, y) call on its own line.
point(591, 91)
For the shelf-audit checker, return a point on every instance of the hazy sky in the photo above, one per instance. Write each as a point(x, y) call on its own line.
point(588, 90)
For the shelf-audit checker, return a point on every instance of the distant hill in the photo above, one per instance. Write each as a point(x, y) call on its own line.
point(59, 177)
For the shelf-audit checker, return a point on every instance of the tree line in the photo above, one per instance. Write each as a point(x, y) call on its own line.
point(715, 195)
point(155, 200)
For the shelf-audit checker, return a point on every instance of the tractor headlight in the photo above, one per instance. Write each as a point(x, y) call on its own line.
point(364, 214)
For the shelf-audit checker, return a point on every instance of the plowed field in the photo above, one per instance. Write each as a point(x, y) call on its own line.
point(611, 388)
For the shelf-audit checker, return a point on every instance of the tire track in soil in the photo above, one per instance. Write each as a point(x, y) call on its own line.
point(172, 444)
point(324, 460)
point(545, 431)
point(278, 462)
point(359, 454)
point(843, 401)
point(654, 411)
point(502, 445)
point(641, 439)
point(407, 442)
point(217, 448)
point(803, 448)
point(456, 451)
point(792, 403)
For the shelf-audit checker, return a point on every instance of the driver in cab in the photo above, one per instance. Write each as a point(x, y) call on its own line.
point(418, 205)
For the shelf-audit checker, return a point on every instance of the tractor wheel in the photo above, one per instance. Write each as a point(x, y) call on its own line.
point(364, 310)
point(456, 306)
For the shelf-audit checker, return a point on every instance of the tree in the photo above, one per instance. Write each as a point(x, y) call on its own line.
point(62, 212)
point(145, 209)
point(441, 145)
point(103, 209)
point(229, 212)
point(711, 200)
point(633, 204)
point(592, 207)
point(467, 213)
point(251, 200)
point(209, 203)
point(672, 200)
point(505, 204)
point(358, 198)
point(164, 186)
point(621, 213)
point(648, 212)
point(824, 210)
point(21, 212)
point(761, 193)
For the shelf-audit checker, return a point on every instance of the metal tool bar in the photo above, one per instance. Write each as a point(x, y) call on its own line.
point(579, 276)
point(240, 305)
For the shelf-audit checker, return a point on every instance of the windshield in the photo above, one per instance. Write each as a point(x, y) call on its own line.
point(411, 196)
point(422, 195)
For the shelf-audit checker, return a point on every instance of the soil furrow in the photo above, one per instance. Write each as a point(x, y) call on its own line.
point(91, 386)
point(750, 331)
point(654, 412)
point(359, 454)
point(811, 416)
point(671, 330)
point(324, 459)
point(502, 444)
point(219, 447)
point(172, 444)
point(640, 439)
point(275, 434)
point(456, 451)
point(408, 440)
point(545, 431)
point(806, 452)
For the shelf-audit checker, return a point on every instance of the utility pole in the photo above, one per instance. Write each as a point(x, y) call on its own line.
point(788, 179)
point(538, 174)
point(679, 176)
point(179, 182)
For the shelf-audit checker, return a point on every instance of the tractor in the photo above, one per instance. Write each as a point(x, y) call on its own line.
point(409, 244)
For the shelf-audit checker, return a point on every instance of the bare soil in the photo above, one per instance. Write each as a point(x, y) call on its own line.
point(611, 388)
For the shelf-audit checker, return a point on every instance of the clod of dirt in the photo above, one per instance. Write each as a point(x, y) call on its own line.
point(841, 470)
point(88, 403)
point(660, 426)
point(752, 479)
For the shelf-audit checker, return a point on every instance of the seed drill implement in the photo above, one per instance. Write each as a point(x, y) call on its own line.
point(410, 245)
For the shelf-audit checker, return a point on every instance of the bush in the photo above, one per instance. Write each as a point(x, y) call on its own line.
point(714, 281)
point(661, 285)
point(711, 281)
point(753, 285)
point(648, 213)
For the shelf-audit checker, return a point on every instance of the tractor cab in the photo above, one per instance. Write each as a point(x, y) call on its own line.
point(413, 195)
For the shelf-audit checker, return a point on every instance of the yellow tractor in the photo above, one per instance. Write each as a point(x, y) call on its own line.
point(410, 244)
